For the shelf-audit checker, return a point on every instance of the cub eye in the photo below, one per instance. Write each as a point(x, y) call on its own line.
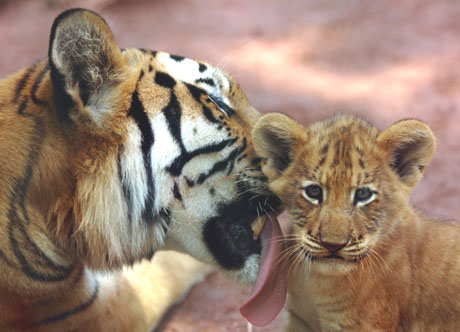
point(362, 195)
point(314, 192)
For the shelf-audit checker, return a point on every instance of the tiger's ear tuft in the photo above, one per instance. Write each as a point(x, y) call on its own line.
point(275, 137)
point(410, 145)
point(84, 60)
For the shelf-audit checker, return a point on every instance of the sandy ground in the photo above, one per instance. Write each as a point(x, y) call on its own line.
point(382, 59)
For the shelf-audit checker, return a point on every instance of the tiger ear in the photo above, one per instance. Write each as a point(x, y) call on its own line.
point(84, 61)
point(275, 138)
point(410, 145)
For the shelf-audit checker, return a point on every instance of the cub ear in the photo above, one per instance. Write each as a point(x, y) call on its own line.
point(410, 144)
point(84, 61)
point(275, 137)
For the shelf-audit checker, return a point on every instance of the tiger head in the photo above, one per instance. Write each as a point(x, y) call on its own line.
point(344, 183)
point(158, 149)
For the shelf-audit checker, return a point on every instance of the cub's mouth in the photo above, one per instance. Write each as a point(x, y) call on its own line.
point(243, 234)
point(354, 256)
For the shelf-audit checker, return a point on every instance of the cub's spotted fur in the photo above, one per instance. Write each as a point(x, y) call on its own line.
point(362, 258)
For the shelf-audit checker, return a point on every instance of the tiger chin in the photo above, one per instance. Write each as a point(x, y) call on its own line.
point(360, 257)
point(109, 155)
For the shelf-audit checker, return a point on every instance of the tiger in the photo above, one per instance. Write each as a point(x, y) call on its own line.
point(360, 256)
point(126, 177)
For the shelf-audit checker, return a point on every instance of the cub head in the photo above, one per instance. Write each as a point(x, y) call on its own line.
point(161, 153)
point(344, 183)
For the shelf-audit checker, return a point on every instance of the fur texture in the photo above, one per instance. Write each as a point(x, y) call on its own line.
point(362, 259)
point(109, 155)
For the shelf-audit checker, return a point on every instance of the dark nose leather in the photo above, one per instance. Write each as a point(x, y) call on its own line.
point(334, 247)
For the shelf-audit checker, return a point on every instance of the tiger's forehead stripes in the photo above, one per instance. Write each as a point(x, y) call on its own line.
point(200, 79)
point(212, 81)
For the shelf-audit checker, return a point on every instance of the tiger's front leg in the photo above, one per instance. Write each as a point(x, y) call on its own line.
point(137, 298)
point(163, 282)
point(134, 300)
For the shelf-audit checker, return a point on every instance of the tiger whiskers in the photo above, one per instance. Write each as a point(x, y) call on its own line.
point(249, 190)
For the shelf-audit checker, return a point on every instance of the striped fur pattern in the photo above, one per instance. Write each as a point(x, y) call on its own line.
point(362, 258)
point(109, 155)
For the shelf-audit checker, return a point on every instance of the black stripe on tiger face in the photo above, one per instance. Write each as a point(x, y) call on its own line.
point(137, 112)
point(223, 164)
point(208, 114)
point(202, 67)
point(178, 164)
point(189, 182)
point(176, 192)
point(164, 80)
point(209, 81)
point(197, 93)
point(173, 114)
point(176, 58)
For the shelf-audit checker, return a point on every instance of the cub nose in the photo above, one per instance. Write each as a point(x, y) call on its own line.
point(334, 246)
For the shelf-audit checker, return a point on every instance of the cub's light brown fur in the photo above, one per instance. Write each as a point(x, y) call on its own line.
point(362, 260)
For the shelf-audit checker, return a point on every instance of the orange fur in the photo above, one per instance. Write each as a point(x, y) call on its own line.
point(363, 259)
point(70, 207)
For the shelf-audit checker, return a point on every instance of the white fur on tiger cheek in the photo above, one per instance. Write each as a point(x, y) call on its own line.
point(196, 133)
point(164, 152)
point(132, 163)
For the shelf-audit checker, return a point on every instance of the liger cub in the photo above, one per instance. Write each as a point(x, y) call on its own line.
point(109, 155)
point(361, 257)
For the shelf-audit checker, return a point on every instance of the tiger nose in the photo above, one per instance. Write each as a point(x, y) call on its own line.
point(334, 246)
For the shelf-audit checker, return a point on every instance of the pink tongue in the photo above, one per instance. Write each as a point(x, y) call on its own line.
point(269, 293)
